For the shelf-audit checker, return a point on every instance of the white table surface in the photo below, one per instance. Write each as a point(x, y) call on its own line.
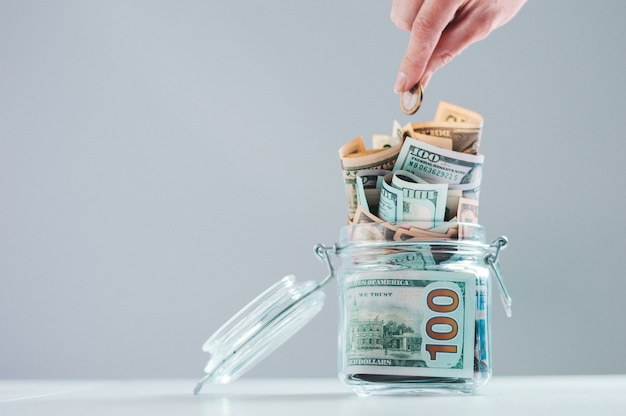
point(534, 396)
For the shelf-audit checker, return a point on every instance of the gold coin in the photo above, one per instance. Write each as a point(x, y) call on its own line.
point(411, 100)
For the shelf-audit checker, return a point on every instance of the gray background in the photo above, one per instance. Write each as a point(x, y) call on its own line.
point(161, 163)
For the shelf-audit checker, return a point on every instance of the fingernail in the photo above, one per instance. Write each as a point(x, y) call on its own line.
point(401, 82)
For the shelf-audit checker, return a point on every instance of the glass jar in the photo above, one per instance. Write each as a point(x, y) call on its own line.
point(415, 311)
point(415, 315)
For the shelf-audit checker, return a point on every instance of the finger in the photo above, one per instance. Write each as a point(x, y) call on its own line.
point(403, 13)
point(430, 22)
point(453, 41)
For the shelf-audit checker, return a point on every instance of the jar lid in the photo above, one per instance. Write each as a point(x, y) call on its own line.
point(263, 325)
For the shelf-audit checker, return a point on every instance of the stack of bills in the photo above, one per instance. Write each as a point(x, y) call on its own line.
point(421, 181)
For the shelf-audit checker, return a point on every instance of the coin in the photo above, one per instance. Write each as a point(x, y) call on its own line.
point(411, 100)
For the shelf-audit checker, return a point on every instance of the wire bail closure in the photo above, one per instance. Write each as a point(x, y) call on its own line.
point(322, 251)
point(492, 260)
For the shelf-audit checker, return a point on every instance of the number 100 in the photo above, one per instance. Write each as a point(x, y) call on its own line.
point(443, 326)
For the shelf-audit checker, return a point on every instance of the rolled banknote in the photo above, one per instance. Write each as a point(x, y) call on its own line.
point(406, 198)
point(456, 114)
point(437, 165)
point(465, 137)
point(390, 206)
point(368, 185)
point(422, 202)
point(355, 157)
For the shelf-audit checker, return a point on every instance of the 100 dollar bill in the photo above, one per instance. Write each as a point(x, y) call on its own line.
point(410, 323)
point(406, 197)
point(437, 165)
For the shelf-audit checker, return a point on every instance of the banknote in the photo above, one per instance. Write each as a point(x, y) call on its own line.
point(465, 137)
point(481, 343)
point(467, 210)
point(367, 226)
point(368, 185)
point(437, 165)
point(467, 213)
point(361, 197)
point(410, 322)
point(380, 141)
point(452, 203)
point(364, 217)
point(355, 157)
point(396, 131)
point(405, 197)
point(447, 112)
point(415, 233)
point(440, 173)
point(390, 205)
point(443, 142)
point(448, 227)
point(421, 259)
point(454, 113)
point(421, 201)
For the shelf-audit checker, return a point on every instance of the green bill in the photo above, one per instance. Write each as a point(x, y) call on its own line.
point(411, 323)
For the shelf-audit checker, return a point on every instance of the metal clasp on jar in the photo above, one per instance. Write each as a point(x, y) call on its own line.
point(491, 259)
point(322, 252)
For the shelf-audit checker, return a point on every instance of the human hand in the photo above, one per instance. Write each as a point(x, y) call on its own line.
point(441, 29)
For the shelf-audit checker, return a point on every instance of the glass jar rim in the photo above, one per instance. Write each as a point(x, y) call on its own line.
point(411, 234)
